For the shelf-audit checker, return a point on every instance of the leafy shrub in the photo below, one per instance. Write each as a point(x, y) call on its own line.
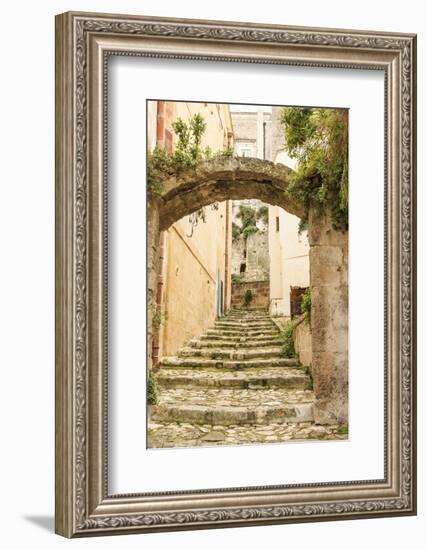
point(288, 349)
point(248, 297)
point(152, 396)
point(306, 304)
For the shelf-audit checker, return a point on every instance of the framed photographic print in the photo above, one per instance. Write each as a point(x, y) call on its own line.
point(235, 274)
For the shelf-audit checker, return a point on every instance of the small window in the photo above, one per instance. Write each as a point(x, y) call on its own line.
point(242, 268)
point(277, 223)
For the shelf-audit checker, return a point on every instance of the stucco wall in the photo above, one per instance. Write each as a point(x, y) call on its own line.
point(195, 263)
point(189, 292)
point(289, 249)
point(289, 256)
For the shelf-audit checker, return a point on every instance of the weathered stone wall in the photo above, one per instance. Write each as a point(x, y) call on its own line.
point(153, 260)
point(303, 342)
point(257, 258)
point(329, 320)
point(237, 254)
point(253, 250)
point(260, 294)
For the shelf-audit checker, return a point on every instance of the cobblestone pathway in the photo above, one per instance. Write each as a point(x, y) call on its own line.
point(232, 386)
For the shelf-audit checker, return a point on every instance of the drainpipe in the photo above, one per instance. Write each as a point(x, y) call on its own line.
point(159, 293)
point(226, 254)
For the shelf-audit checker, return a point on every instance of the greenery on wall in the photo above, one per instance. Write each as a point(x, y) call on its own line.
point(249, 217)
point(236, 279)
point(306, 304)
point(286, 335)
point(152, 395)
point(262, 214)
point(318, 140)
point(187, 154)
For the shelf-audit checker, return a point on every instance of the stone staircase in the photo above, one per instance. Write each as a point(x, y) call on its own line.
point(231, 377)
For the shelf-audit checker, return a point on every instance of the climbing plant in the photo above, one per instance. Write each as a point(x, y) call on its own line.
point(249, 217)
point(187, 154)
point(317, 139)
point(306, 304)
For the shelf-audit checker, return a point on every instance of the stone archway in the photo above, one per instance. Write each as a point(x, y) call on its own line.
point(228, 178)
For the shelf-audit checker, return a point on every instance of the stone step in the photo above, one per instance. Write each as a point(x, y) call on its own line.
point(248, 318)
point(218, 343)
point(178, 362)
point(245, 309)
point(254, 379)
point(238, 339)
point(243, 332)
point(243, 325)
point(237, 355)
point(242, 314)
point(254, 312)
point(224, 406)
point(184, 434)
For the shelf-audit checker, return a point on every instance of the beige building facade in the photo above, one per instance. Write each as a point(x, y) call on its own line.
point(195, 283)
point(289, 248)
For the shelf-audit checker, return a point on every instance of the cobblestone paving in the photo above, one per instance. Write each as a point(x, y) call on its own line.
point(162, 435)
point(223, 397)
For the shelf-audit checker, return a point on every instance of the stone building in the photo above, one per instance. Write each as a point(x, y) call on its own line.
point(250, 258)
point(195, 282)
point(250, 251)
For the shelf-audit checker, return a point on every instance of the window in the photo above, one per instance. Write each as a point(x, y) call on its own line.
point(277, 223)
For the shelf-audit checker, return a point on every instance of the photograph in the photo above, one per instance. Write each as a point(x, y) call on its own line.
point(251, 262)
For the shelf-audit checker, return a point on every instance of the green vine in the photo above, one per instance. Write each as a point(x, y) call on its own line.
point(317, 139)
point(248, 297)
point(306, 304)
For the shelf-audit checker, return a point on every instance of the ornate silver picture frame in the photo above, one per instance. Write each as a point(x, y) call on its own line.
point(84, 43)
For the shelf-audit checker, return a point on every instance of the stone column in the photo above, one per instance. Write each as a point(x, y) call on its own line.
point(329, 320)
